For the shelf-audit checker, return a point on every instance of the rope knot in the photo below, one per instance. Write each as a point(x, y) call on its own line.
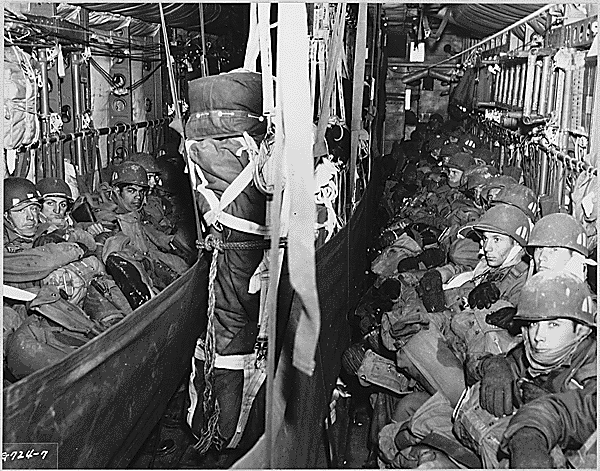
point(211, 243)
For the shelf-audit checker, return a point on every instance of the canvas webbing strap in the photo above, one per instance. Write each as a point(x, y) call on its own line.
point(264, 36)
point(252, 46)
point(357, 96)
point(17, 293)
point(337, 45)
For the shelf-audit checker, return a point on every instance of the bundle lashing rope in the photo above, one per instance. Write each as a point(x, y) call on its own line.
point(210, 432)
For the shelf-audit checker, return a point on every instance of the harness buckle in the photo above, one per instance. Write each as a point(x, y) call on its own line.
point(261, 349)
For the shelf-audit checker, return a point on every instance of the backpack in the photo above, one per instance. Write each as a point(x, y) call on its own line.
point(21, 124)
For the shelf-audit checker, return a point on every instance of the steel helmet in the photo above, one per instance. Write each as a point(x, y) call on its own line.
point(556, 294)
point(484, 155)
point(461, 161)
point(504, 219)
point(171, 178)
point(469, 141)
point(477, 176)
point(559, 230)
point(130, 173)
point(436, 117)
point(145, 160)
point(449, 149)
point(19, 190)
point(497, 183)
point(54, 187)
point(436, 142)
point(520, 196)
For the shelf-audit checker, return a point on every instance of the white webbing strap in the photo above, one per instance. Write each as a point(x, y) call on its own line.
point(17, 293)
point(253, 380)
point(264, 37)
point(252, 46)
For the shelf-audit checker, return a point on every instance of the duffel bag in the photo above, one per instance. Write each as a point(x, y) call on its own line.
point(226, 105)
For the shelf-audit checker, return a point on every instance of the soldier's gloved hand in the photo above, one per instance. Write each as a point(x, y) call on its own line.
point(96, 229)
point(54, 237)
point(408, 263)
point(408, 325)
point(86, 250)
point(504, 318)
point(432, 257)
point(528, 449)
point(531, 391)
point(432, 294)
point(484, 295)
point(495, 392)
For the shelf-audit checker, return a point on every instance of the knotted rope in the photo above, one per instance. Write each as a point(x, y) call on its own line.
point(210, 431)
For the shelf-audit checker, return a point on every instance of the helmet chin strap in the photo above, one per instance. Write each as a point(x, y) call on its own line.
point(577, 265)
point(11, 224)
point(513, 257)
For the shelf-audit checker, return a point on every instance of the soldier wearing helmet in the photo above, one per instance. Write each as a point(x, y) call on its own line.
point(56, 199)
point(151, 166)
point(457, 165)
point(21, 211)
point(521, 197)
point(130, 185)
point(543, 392)
point(558, 241)
point(469, 142)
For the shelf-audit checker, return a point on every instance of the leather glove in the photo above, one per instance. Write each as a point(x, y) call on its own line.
point(432, 257)
point(54, 237)
point(409, 324)
point(531, 391)
point(529, 450)
point(432, 294)
point(495, 392)
point(484, 295)
point(86, 250)
point(407, 264)
point(504, 318)
point(389, 289)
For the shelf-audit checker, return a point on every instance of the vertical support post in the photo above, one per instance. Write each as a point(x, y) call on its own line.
point(553, 97)
point(544, 85)
point(565, 116)
point(530, 75)
point(560, 182)
point(536, 87)
point(358, 79)
point(516, 91)
point(504, 78)
point(595, 121)
point(44, 166)
point(77, 111)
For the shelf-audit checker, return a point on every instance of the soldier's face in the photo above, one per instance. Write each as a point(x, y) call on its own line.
point(54, 209)
point(133, 197)
point(25, 218)
point(496, 247)
point(551, 258)
point(153, 179)
point(454, 176)
point(552, 335)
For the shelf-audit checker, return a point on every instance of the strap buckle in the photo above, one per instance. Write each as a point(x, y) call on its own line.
point(261, 349)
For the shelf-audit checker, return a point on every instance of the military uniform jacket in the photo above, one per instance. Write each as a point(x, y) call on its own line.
point(567, 415)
